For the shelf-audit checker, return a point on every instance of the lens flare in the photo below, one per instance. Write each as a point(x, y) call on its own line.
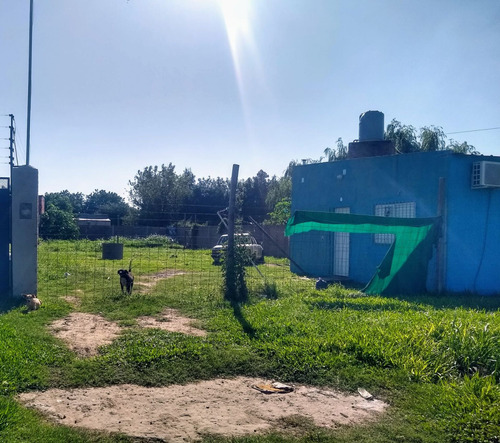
point(238, 17)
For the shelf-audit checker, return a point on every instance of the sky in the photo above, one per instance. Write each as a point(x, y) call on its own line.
point(119, 85)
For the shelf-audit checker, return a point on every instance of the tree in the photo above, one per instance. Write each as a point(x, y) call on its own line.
point(59, 200)
point(209, 196)
point(339, 153)
point(462, 148)
point(57, 223)
point(58, 220)
point(159, 194)
point(253, 193)
point(281, 212)
point(403, 136)
point(432, 138)
point(278, 189)
point(108, 203)
point(65, 199)
point(289, 170)
point(305, 161)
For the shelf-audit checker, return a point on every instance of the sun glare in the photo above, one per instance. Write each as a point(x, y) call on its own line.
point(236, 15)
point(238, 18)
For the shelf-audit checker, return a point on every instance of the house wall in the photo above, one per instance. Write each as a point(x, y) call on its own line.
point(363, 183)
point(473, 234)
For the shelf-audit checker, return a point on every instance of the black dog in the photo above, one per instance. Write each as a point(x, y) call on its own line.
point(126, 279)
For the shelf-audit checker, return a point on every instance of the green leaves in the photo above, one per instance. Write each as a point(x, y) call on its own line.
point(281, 212)
point(159, 192)
point(57, 223)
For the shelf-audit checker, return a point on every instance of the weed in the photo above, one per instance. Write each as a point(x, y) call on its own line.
point(470, 410)
point(270, 290)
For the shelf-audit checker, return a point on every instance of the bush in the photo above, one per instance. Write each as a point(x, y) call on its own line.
point(58, 224)
point(235, 286)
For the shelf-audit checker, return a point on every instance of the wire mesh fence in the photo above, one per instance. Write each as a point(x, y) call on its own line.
point(181, 262)
point(179, 259)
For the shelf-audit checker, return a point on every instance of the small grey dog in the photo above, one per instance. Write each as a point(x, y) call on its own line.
point(126, 279)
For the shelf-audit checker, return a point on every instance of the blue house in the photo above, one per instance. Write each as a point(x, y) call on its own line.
point(463, 189)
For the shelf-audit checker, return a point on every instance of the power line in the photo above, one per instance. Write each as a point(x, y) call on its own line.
point(473, 130)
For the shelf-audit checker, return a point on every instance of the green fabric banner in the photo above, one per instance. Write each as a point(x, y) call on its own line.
point(404, 268)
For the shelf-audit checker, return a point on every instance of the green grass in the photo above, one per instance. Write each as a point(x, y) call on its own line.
point(435, 360)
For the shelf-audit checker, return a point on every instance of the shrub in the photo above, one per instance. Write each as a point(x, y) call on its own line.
point(235, 286)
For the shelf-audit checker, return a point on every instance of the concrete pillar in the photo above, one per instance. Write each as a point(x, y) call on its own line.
point(24, 230)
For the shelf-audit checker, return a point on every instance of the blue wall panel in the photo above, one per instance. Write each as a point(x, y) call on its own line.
point(473, 232)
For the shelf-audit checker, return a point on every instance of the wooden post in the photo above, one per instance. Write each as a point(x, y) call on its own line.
point(441, 246)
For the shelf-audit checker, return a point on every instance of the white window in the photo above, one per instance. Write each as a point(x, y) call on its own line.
point(402, 210)
point(341, 249)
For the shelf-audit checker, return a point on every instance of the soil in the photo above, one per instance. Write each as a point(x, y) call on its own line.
point(179, 413)
point(146, 282)
point(171, 320)
point(84, 333)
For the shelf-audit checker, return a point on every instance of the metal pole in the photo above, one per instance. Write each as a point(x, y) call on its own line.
point(28, 127)
point(222, 218)
point(231, 216)
point(11, 162)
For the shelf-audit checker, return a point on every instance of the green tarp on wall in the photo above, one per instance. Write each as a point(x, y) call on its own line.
point(404, 267)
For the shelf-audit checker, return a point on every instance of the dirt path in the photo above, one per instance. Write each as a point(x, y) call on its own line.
point(146, 282)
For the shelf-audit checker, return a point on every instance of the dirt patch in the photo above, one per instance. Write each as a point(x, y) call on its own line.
point(84, 333)
point(73, 300)
point(187, 412)
point(171, 320)
point(146, 282)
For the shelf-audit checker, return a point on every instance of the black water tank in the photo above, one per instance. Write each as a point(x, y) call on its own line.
point(112, 251)
point(371, 126)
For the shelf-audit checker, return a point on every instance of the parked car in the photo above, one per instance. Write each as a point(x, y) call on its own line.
point(244, 240)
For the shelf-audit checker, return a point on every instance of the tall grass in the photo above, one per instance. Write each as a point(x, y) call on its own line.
point(434, 359)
